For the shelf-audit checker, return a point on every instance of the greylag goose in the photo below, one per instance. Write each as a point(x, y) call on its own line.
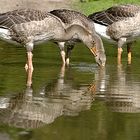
point(28, 26)
point(71, 17)
point(120, 24)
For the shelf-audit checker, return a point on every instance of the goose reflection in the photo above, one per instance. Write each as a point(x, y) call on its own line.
point(29, 110)
point(74, 100)
point(118, 89)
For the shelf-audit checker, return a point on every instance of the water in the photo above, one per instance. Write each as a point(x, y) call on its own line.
point(80, 102)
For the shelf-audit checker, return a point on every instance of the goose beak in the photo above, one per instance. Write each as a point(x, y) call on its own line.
point(93, 51)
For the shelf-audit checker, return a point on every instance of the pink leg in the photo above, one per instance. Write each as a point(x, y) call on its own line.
point(63, 56)
point(29, 64)
point(119, 55)
point(62, 51)
point(68, 53)
point(129, 52)
point(121, 42)
point(29, 77)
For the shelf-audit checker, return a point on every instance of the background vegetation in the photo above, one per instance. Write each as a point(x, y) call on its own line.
point(89, 6)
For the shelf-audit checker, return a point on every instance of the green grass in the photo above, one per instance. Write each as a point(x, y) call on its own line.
point(96, 5)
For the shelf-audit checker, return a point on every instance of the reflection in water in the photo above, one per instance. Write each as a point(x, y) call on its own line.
point(57, 93)
point(118, 89)
point(61, 97)
point(29, 110)
point(73, 100)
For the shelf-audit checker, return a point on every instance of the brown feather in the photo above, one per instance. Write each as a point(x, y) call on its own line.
point(115, 13)
point(9, 19)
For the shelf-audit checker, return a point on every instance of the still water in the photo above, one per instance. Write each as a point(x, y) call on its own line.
point(80, 102)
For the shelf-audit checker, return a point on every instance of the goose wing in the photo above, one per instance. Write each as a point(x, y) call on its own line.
point(63, 14)
point(71, 17)
point(115, 13)
point(67, 16)
point(11, 18)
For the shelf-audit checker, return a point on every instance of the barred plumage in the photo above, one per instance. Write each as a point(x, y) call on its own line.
point(28, 26)
point(118, 24)
point(71, 17)
point(114, 14)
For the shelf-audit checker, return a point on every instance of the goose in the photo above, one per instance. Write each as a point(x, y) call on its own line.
point(69, 18)
point(30, 26)
point(118, 24)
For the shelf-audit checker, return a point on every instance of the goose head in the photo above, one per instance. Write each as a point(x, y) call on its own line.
point(100, 59)
point(99, 55)
point(96, 47)
point(100, 52)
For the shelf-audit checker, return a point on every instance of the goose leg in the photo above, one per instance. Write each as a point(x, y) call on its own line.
point(62, 51)
point(121, 42)
point(29, 77)
point(29, 64)
point(129, 52)
point(120, 50)
point(68, 53)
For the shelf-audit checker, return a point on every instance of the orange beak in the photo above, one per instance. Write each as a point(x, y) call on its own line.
point(93, 50)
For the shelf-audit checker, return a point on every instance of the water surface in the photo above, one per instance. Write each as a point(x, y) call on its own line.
point(80, 102)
